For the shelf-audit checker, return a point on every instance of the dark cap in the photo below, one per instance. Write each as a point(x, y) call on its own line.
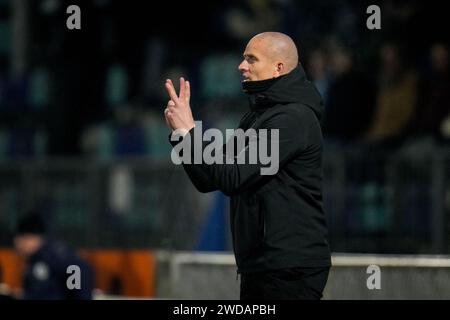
point(32, 223)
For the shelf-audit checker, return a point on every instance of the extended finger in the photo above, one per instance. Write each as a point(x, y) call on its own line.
point(188, 92)
point(182, 88)
point(171, 90)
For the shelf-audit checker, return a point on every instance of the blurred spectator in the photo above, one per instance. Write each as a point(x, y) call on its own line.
point(46, 272)
point(156, 53)
point(250, 17)
point(396, 97)
point(434, 99)
point(350, 98)
point(116, 88)
point(317, 68)
point(220, 77)
point(130, 136)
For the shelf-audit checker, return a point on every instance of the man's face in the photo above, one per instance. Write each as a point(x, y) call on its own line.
point(257, 64)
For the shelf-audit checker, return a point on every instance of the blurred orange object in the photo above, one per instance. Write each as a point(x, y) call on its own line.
point(117, 272)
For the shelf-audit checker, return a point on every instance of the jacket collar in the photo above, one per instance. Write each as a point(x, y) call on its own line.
point(259, 99)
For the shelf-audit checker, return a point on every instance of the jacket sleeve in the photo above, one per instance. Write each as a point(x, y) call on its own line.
point(199, 178)
point(293, 135)
point(195, 173)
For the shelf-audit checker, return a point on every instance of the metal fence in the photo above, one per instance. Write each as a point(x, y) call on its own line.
point(133, 203)
point(387, 201)
point(376, 201)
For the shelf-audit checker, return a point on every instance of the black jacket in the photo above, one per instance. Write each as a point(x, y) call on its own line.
point(277, 221)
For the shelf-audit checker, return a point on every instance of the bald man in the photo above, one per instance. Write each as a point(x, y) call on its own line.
point(277, 221)
point(268, 55)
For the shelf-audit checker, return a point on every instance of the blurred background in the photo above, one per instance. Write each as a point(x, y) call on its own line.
point(83, 138)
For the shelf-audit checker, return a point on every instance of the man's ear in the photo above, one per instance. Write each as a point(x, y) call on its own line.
point(280, 67)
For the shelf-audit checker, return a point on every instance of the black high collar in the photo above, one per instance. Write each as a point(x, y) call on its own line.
point(253, 87)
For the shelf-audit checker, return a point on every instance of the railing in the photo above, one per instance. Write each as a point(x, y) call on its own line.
point(387, 201)
point(375, 201)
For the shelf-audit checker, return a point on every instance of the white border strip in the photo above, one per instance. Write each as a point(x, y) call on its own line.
point(338, 260)
point(403, 261)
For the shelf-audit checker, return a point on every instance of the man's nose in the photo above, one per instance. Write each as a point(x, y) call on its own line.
point(243, 66)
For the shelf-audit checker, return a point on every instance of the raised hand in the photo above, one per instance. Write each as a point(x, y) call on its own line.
point(178, 112)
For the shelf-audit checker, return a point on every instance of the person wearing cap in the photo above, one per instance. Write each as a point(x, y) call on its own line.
point(49, 264)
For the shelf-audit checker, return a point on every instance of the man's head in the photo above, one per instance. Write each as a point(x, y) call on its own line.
point(29, 235)
point(268, 55)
